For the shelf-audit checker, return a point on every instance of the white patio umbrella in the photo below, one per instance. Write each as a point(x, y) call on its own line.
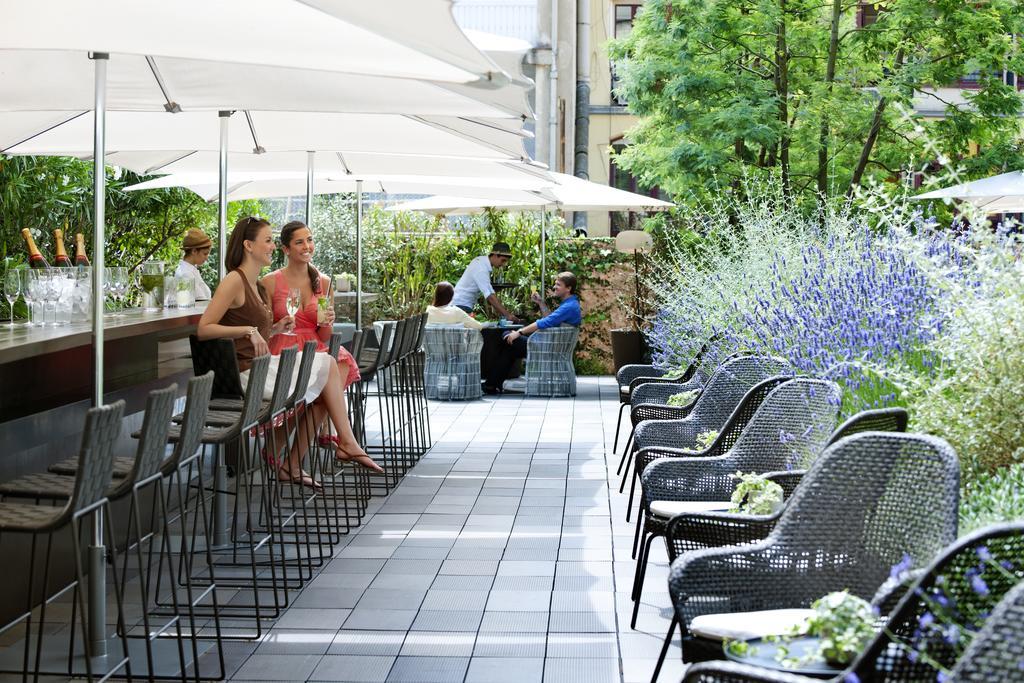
point(568, 192)
point(173, 56)
point(1003, 193)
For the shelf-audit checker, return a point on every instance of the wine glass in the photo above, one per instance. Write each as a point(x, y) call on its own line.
point(293, 303)
point(29, 290)
point(12, 290)
point(112, 286)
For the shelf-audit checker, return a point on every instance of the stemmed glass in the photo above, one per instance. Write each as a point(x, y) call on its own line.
point(51, 286)
point(12, 290)
point(293, 303)
point(116, 285)
point(29, 291)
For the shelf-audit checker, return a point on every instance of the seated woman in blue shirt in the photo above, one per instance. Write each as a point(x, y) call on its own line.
point(567, 313)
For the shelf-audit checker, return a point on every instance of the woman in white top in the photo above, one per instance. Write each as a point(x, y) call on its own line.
point(197, 249)
point(443, 313)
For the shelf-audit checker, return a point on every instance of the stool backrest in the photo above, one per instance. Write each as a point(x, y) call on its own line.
point(156, 423)
point(217, 355)
point(254, 392)
point(197, 405)
point(305, 370)
point(282, 383)
point(96, 458)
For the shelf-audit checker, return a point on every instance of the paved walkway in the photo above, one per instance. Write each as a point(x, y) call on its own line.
point(502, 556)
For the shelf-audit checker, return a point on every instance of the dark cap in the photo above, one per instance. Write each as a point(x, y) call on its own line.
point(501, 249)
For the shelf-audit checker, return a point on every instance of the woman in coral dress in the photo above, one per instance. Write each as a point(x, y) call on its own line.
point(300, 275)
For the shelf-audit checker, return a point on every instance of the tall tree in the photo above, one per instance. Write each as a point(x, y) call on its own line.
point(825, 93)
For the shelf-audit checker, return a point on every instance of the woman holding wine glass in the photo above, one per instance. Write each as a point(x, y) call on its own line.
point(295, 292)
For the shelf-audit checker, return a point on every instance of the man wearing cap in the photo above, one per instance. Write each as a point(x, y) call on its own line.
point(197, 249)
point(476, 280)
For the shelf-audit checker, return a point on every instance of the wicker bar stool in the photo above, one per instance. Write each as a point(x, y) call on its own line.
point(102, 428)
point(145, 473)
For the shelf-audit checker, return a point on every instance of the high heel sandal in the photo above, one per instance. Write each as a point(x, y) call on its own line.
point(341, 455)
point(285, 476)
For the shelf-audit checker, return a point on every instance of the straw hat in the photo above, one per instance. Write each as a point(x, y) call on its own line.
point(196, 239)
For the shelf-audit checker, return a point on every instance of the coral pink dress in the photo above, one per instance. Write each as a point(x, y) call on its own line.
point(306, 328)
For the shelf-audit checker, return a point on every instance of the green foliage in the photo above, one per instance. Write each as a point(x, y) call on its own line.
point(845, 624)
point(683, 398)
point(755, 495)
point(44, 193)
point(992, 498)
point(725, 89)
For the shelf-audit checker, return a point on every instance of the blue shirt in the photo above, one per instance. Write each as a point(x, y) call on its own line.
point(568, 313)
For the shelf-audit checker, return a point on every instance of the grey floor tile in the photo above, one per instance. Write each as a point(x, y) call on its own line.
point(295, 642)
point(582, 645)
point(526, 568)
point(454, 620)
point(454, 600)
point(277, 667)
point(505, 670)
point(305, 619)
point(510, 645)
point(582, 622)
point(412, 582)
point(581, 670)
point(438, 644)
point(519, 601)
point(380, 619)
point(429, 670)
point(367, 643)
point(353, 669)
point(469, 567)
point(455, 582)
point(390, 598)
point(530, 622)
point(318, 598)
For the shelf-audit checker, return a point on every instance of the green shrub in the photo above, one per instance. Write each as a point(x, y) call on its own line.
point(992, 498)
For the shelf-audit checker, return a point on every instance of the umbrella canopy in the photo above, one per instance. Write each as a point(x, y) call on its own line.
point(1003, 193)
point(150, 140)
point(566, 193)
point(416, 39)
point(262, 185)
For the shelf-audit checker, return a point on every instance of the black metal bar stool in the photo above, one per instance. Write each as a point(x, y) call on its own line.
point(102, 428)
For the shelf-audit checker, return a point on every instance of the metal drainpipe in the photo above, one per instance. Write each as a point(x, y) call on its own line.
point(582, 127)
point(553, 106)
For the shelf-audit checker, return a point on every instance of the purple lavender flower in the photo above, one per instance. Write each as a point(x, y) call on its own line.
point(978, 585)
point(851, 677)
point(926, 619)
point(983, 553)
point(905, 564)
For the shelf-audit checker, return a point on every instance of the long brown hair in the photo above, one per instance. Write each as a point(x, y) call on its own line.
point(289, 229)
point(443, 293)
point(245, 229)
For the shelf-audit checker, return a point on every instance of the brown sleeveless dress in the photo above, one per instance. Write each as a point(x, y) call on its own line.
point(253, 313)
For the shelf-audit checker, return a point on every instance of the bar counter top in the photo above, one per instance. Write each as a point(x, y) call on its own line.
point(28, 342)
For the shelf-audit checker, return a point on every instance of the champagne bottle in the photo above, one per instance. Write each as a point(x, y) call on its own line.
point(80, 257)
point(35, 259)
point(60, 257)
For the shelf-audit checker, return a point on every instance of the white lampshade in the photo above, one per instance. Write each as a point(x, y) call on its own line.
point(632, 241)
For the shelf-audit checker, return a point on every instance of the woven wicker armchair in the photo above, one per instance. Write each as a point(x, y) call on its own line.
point(696, 531)
point(452, 367)
point(866, 503)
point(994, 654)
point(727, 386)
point(549, 368)
point(776, 425)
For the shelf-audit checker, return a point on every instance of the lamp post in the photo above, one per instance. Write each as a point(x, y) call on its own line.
point(628, 343)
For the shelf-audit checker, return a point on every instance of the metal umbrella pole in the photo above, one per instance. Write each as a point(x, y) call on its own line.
point(359, 254)
point(97, 551)
point(543, 250)
point(222, 195)
point(309, 188)
point(220, 467)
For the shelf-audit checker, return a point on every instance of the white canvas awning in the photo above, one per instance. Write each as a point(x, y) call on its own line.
point(155, 139)
point(1003, 193)
point(566, 192)
point(263, 185)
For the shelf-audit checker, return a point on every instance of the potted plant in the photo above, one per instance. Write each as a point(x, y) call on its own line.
point(628, 343)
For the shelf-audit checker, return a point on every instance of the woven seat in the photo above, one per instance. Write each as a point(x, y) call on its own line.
point(452, 364)
point(866, 503)
point(995, 652)
point(69, 466)
point(22, 517)
point(549, 367)
point(802, 410)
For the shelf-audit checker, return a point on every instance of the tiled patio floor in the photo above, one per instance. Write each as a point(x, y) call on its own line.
point(502, 556)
